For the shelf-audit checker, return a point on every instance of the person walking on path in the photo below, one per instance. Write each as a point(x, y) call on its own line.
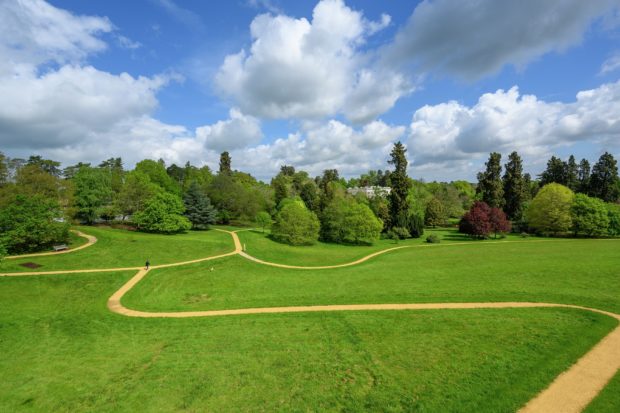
point(148, 264)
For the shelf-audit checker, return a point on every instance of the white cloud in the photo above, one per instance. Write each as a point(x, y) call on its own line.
point(127, 43)
point(506, 120)
point(297, 68)
point(611, 64)
point(472, 39)
point(237, 132)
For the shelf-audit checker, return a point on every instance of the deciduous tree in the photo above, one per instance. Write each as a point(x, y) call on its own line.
point(589, 215)
point(296, 225)
point(549, 211)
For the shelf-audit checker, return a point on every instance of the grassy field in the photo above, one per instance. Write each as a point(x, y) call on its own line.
point(64, 352)
point(120, 248)
point(582, 272)
point(260, 245)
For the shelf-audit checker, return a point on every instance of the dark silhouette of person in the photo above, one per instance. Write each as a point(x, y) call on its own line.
point(148, 264)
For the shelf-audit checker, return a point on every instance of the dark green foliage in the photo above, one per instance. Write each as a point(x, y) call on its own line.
point(225, 164)
point(613, 214)
point(572, 174)
point(415, 225)
point(136, 190)
point(398, 233)
point(296, 225)
point(604, 179)
point(93, 191)
point(157, 174)
point(589, 216)
point(490, 187)
point(47, 165)
point(516, 188)
point(163, 213)
point(583, 176)
point(399, 206)
point(31, 223)
point(555, 172)
point(198, 208)
point(435, 214)
point(4, 170)
point(433, 239)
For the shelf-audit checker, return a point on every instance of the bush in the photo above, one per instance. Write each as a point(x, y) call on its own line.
point(433, 239)
point(296, 225)
point(613, 213)
point(549, 211)
point(589, 216)
point(346, 221)
point(416, 225)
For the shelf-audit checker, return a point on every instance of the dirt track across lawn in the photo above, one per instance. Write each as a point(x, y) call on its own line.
point(570, 392)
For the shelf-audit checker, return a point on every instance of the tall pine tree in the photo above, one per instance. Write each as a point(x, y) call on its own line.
point(198, 208)
point(583, 176)
point(572, 174)
point(555, 172)
point(604, 179)
point(399, 208)
point(490, 185)
point(225, 164)
point(515, 190)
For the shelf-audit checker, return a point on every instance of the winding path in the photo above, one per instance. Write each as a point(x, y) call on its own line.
point(90, 240)
point(570, 392)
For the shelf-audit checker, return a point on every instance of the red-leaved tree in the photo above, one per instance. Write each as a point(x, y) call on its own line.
point(476, 221)
point(499, 222)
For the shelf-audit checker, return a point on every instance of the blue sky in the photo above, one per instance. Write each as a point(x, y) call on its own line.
point(314, 84)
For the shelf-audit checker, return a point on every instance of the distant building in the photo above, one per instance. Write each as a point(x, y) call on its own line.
point(370, 191)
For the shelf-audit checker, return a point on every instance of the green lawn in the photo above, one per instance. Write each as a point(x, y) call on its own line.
point(120, 248)
point(608, 401)
point(62, 351)
point(583, 272)
point(260, 245)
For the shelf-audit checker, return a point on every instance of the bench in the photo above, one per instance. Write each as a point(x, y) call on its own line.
point(60, 247)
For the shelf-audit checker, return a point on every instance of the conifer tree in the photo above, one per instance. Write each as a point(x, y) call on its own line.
point(583, 176)
point(572, 174)
point(198, 208)
point(516, 191)
point(604, 179)
point(399, 207)
point(225, 164)
point(490, 185)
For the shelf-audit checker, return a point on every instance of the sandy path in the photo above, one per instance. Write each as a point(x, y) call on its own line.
point(90, 241)
point(570, 392)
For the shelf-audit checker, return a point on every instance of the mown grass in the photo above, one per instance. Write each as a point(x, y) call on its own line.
point(260, 245)
point(116, 248)
point(581, 272)
point(608, 401)
point(63, 351)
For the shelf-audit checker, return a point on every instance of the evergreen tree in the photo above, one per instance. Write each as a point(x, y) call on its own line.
point(555, 172)
point(490, 185)
point(225, 164)
point(516, 189)
point(198, 208)
point(399, 207)
point(4, 169)
point(604, 179)
point(572, 174)
point(583, 176)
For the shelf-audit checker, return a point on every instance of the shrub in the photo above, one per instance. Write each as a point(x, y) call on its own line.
point(416, 225)
point(589, 216)
point(613, 213)
point(296, 225)
point(401, 232)
point(433, 239)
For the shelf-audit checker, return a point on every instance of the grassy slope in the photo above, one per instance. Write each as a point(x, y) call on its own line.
point(583, 272)
point(119, 248)
point(259, 245)
point(63, 351)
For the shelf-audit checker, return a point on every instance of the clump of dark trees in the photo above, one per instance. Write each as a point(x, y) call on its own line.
point(39, 200)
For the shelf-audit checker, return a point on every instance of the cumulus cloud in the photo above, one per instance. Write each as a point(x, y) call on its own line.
point(237, 132)
point(506, 120)
point(297, 68)
point(472, 39)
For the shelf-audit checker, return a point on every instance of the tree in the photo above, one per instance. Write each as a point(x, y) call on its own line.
point(296, 225)
point(263, 220)
point(46, 165)
point(572, 174)
point(135, 192)
point(4, 170)
point(583, 176)
point(30, 223)
point(604, 179)
point(435, 214)
point(476, 222)
point(198, 208)
point(516, 193)
point(415, 225)
point(225, 164)
point(613, 214)
point(499, 222)
point(490, 187)
point(549, 211)
point(555, 172)
point(399, 207)
point(589, 216)
point(3, 251)
point(93, 191)
point(157, 174)
point(347, 221)
point(162, 213)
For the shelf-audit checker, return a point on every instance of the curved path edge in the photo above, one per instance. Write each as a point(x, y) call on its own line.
point(90, 240)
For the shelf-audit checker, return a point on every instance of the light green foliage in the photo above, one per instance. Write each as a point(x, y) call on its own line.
point(263, 220)
point(239, 195)
point(31, 223)
point(435, 213)
point(296, 225)
point(589, 216)
point(346, 221)
point(198, 208)
point(549, 211)
point(613, 213)
point(163, 214)
point(93, 191)
point(157, 174)
point(136, 190)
